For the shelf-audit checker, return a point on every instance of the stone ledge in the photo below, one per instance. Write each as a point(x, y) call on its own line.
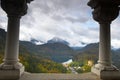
point(58, 76)
point(110, 75)
point(106, 74)
point(11, 74)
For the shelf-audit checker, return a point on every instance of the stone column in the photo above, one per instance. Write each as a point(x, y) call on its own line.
point(104, 45)
point(12, 44)
point(104, 13)
point(11, 68)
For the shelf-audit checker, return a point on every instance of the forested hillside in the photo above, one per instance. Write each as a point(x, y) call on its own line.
point(38, 64)
point(57, 52)
point(91, 51)
point(33, 62)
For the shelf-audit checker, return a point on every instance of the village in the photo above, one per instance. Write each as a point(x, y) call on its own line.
point(75, 67)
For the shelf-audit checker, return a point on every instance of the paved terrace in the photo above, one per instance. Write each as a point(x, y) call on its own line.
point(48, 76)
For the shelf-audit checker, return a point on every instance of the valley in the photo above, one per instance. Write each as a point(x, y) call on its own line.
point(47, 57)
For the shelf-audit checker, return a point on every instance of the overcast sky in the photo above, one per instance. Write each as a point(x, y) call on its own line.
point(70, 20)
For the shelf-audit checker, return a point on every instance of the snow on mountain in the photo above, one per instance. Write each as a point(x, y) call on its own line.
point(57, 40)
point(37, 42)
point(77, 46)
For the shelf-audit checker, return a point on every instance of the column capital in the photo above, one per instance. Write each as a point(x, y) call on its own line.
point(105, 11)
point(15, 8)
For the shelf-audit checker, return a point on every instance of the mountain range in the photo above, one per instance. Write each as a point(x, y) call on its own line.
point(59, 50)
point(55, 49)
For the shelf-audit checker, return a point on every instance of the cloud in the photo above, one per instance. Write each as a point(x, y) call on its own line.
point(61, 10)
point(70, 20)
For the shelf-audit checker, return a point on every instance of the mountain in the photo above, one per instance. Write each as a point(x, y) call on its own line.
point(117, 50)
point(116, 57)
point(33, 63)
point(2, 40)
point(91, 51)
point(29, 46)
point(37, 42)
point(91, 48)
point(58, 40)
point(58, 50)
point(77, 48)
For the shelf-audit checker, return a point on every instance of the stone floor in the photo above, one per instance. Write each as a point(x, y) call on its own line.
point(48, 76)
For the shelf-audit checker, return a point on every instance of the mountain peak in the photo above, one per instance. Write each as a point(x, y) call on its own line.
point(36, 42)
point(57, 40)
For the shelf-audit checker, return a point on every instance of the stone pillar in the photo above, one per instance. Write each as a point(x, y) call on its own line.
point(104, 45)
point(104, 13)
point(11, 68)
point(12, 44)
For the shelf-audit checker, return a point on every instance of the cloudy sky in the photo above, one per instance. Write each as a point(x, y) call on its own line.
point(70, 20)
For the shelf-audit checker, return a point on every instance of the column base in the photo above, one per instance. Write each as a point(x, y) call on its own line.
point(106, 73)
point(11, 74)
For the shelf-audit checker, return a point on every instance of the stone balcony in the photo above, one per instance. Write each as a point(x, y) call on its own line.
point(53, 76)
